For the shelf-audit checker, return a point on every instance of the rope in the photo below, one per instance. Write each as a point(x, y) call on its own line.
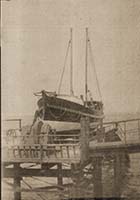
point(64, 67)
point(93, 64)
point(54, 116)
point(60, 116)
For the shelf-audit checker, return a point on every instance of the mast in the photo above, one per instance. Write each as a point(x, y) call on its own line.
point(71, 64)
point(86, 64)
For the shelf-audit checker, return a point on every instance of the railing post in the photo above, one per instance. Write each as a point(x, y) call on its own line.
point(20, 126)
point(116, 126)
point(139, 128)
point(125, 132)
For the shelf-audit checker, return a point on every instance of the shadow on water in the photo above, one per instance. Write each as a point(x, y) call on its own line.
point(129, 179)
point(132, 178)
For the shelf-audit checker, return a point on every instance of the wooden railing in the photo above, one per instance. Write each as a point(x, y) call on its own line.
point(42, 153)
point(18, 120)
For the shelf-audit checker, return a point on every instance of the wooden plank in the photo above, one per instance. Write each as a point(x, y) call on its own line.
point(16, 119)
point(45, 160)
point(37, 146)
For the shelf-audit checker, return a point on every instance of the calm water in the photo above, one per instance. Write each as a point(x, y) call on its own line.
point(131, 186)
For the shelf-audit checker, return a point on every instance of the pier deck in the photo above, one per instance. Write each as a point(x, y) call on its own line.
point(112, 138)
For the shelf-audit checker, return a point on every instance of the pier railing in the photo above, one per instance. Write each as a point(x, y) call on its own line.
point(44, 147)
point(55, 149)
point(127, 130)
point(55, 146)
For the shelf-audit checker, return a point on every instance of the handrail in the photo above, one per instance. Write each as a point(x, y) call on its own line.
point(14, 120)
point(121, 121)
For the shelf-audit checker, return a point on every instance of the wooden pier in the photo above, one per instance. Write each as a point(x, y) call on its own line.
point(78, 150)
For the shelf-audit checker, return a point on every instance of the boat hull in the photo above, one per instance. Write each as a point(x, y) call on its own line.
point(57, 109)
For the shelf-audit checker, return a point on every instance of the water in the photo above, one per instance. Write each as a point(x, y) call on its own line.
point(131, 186)
point(132, 189)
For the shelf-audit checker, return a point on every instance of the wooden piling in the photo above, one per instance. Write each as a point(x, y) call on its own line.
point(84, 139)
point(117, 175)
point(60, 175)
point(97, 165)
point(17, 182)
point(97, 177)
point(101, 132)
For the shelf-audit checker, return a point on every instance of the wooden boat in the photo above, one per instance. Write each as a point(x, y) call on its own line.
point(69, 108)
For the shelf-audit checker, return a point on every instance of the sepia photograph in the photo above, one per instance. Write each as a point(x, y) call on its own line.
point(70, 99)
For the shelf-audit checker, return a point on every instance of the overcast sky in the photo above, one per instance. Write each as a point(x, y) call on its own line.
point(35, 34)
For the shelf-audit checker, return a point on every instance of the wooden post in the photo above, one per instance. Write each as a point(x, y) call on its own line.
point(17, 183)
point(116, 126)
point(44, 166)
point(101, 132)
point(97, 164)
point(20, 126)
point(117, 175)
point(85, 128)
point(139, 129)
point(125, 132)
point(60, 177)
point(97, 177)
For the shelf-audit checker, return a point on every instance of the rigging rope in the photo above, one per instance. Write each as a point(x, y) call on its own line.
point(65, 60)
point(93, 64)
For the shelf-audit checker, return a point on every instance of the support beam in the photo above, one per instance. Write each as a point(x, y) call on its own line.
point(47, 165)
point(9, 172)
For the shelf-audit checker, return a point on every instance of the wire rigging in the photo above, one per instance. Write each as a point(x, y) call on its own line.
point(65, 60)
point(93, 64)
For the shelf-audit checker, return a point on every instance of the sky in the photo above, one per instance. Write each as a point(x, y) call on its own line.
point(35, 36)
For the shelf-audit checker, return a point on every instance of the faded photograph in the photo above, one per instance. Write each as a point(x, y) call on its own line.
point(70, 99)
